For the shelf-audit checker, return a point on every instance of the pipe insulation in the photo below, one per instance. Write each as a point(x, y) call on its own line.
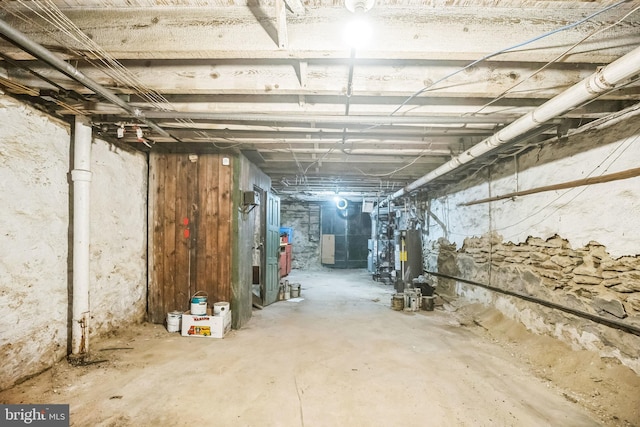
point(599, 82)
point(81, 178)
point(43, 54)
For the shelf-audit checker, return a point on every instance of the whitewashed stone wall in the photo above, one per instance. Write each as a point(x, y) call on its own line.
point(118, 260)
point(576, 247)
point(35, 235)
point(34, 221)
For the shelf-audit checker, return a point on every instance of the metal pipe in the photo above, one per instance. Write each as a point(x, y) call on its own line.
point(321, 119)
point(602, 80)
point(40, 52)
point(81, 178)
point(598, 319)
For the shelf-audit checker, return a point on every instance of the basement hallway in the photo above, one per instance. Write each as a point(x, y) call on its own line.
point(339, 357)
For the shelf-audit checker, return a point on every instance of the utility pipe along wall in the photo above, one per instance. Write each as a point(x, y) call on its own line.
point(599, 82)
point(589, 316)
point(81, 177)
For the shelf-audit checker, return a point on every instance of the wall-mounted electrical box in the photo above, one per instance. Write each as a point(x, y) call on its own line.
point(251, 198)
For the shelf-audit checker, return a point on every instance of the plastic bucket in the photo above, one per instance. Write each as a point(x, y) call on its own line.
point(220, 308)
point(428, 303)
point(287, 290)
point(397, 302)
point(295, 290)
point(199, 304)
point(173, 321)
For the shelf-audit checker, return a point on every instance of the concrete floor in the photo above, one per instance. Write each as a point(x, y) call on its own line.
point(340, 357)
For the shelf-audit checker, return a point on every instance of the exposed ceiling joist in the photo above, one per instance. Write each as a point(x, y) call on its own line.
point(273, 79)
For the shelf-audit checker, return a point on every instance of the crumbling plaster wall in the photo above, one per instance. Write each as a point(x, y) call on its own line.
point(35, 221)
point(575, 247)
point(304, 218)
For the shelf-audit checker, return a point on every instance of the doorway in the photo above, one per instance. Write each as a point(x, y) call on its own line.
point(345, 233)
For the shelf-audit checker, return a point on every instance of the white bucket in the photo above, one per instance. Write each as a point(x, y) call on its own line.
point(173, 321)
point(199, 304)
point(220, 308)
point(295, 290)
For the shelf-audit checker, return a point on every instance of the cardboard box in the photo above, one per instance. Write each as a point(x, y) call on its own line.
point(206, 326)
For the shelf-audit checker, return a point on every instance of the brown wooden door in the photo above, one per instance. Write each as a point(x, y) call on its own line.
point(190, 231)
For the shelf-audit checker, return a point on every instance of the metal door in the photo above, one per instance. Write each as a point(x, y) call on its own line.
point(273, 249)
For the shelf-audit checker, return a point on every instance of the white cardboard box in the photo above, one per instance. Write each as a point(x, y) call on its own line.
point(206, 326)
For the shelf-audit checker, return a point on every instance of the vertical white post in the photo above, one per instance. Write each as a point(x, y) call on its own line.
point(81, 177)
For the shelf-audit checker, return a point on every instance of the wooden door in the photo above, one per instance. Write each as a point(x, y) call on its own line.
point(272, 278)
point(189, 231)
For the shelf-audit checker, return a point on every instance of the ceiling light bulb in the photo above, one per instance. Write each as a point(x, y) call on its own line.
point(359, 6)
point(358, 32)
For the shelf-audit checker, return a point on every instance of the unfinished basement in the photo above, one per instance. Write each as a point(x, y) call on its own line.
point(237, 213)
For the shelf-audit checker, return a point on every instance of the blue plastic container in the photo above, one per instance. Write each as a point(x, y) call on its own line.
point(288, 232)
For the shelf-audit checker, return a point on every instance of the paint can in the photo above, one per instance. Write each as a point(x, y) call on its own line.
point(220, 308)
point(199, 304)
point(295, 290)
point(174, 319)
point(428, 303)
point(287, 290)
point(397, 302)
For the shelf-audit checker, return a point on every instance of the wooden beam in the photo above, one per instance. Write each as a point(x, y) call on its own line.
point(296, 7)
point(281, 19)
point(375, 79)
point(464, 33)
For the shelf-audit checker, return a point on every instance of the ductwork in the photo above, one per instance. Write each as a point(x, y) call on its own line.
point(43, 54)
point(601, 81)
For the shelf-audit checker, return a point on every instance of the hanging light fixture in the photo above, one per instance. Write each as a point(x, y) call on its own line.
point(359, 30)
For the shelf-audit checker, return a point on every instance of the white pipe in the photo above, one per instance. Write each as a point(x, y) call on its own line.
point(602, 80)
point(81, 177)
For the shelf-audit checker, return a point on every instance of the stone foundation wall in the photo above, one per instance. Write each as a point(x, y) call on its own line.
point(304, 219)
point(576, 247)
point(35, 219)
point(586, 279)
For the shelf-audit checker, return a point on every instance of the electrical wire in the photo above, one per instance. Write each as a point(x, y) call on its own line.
point(566, 27)
point(629, 144)
point(392, 172)
point(555, 60)
point(54, 17)
point(507, 49)
point(87, 49)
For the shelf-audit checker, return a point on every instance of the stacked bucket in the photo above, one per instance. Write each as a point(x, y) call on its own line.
point(198, 307)
point(288, 290)
point(419, 296)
